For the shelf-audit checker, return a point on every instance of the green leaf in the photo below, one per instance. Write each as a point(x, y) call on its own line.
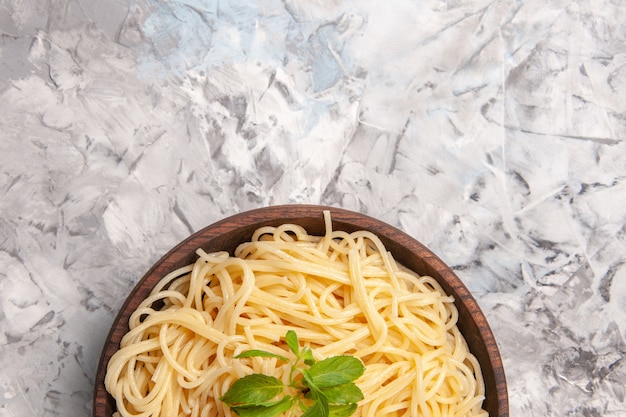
point(307, 354)
point(292, 341)
point(327, 388)
point(344, 410)
point(343, 394)
point(255, 389)
point(320, 408)
point(308, 382)
point(270, 410)
point(252, 353)
point(335, 370)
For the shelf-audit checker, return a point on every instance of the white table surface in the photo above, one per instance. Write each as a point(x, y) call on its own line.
point(491, 131)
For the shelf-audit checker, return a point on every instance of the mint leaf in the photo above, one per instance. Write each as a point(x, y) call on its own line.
point(342, 410)
point(326, 385)
point(320, 407)
point(260, 353)
point(292, 341)
point(255, 389)
point(308, 382)
point(343, 394)
point(307, 354)
point(270, 410)
point(336, 370)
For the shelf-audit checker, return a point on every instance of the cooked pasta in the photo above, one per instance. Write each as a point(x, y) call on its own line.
point(342, 293)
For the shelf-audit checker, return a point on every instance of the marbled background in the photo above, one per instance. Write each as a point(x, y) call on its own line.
point(490, 130)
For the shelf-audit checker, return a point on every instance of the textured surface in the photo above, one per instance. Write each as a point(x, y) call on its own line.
point(491, 131)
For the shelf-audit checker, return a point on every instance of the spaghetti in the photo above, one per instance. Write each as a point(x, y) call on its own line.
point(342, 293)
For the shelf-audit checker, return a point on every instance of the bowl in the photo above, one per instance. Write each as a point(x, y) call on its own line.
point(227, 234)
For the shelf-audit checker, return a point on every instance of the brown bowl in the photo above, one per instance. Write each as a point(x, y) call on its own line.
point(227, 234)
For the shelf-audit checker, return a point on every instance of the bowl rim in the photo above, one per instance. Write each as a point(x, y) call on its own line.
point(234, 229)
